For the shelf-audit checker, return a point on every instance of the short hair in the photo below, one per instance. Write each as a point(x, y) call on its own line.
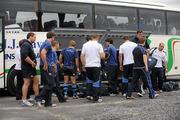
point(21, 42)
point(94, 36)
point(139, 31)
point(125, 37)
point(88, 38)
point(54, 42)
point(110, 40)
point(31, 34)
point(142, 40)
point(72, 43)
point(50, 35)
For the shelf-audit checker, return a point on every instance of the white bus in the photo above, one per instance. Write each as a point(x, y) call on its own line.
point(75, 19)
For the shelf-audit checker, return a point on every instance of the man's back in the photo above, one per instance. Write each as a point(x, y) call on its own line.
point(92, 50)
point(69, 56)
point(138, 53)
point(126, 49)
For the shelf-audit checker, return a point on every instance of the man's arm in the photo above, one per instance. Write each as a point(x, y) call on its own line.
point(102, 55)
point(120, 61)
point(145, 60)
point(43, 57)
point(28, 60)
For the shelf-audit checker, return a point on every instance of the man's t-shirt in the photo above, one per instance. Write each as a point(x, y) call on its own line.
point(46, 45)
point(126, 49)
point(92, 50)
point(112, 60)
point(160, 56)
point(138, 53)
point(69, 56)
point(27, 51)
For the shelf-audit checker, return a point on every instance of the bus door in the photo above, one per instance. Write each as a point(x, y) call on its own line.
point(2, 80)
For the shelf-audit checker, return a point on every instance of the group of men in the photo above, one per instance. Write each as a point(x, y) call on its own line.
point(133, 62)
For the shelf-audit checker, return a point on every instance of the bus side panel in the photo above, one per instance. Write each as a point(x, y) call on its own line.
point(2, 70)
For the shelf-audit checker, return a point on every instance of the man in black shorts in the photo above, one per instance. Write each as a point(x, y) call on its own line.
point(28, 64)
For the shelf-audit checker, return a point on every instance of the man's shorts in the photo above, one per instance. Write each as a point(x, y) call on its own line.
point(69, 71)
point(28, 72)
point(93, 73)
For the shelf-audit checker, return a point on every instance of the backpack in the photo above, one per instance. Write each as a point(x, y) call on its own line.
point(151, 60)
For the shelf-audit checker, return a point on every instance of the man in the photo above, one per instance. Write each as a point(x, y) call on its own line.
point(158, 70)
point(140, 69)
point(111, 66)
point(91, 55)
point(126, 62)
point(28, 64)
point(46, 65)
point(19, 71)
point(139, 34)
point(70, 59)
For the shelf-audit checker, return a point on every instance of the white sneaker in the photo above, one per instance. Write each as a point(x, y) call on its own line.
point(53, 105)
point(100, 100)
point(39, 104)
point(160, 91)
point(26, 103)
point(89, 97)
point(139, 94)
point(156, 95)
point(124, 95)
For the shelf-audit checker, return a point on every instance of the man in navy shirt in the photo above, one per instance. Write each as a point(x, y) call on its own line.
point(140, 69)
point(46, 67)
point(111, 66)
point(69, 59)
point(28, 66)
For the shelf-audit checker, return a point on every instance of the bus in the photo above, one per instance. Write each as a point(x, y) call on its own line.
point(76, 19)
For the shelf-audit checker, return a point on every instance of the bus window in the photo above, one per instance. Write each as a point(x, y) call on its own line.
point(1, 39)
point(152, 20)
point(173, 23)
point(20, 13)
point(66, 15)
point(27, 21)
point(121, 18)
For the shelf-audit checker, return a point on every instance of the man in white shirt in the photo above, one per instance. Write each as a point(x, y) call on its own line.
point(158, 70)
point(91, 55)
point(18, 72)
point(126, 62)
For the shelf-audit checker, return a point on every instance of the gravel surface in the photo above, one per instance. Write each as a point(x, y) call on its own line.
point(165, 107)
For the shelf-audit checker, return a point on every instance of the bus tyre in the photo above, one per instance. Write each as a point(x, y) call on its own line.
point(11, 86)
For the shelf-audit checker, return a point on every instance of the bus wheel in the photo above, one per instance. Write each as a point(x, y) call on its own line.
point(11, 81)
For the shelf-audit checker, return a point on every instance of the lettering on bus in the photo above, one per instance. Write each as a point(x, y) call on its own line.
point(11, 56)
point(13, 44)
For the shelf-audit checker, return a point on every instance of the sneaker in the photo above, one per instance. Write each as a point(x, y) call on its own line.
point(124, 95)
point(26, 103)
point(89, 97)
point(139, 94)
point(75, 97)
point(65, 97)
point(99, 100)
point(156, 95)
point(112, 94)
point(39, 103)
point(127, 97)
point(160, 91)
point(54, 95)
point(53, 105)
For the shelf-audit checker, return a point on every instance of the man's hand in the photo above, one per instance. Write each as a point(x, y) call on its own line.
point(45, 67)
point(121, 68)
point(33, 65)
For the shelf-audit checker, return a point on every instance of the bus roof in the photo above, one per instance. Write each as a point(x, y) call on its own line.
point(127, 3)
